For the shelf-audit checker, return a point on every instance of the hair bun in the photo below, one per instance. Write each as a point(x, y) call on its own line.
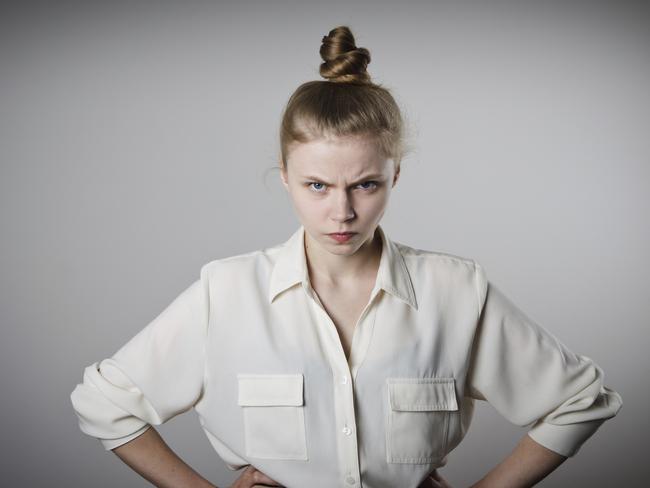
point(344, 61)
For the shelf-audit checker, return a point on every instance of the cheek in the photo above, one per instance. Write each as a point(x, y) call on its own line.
point(377, 206)
point(308, 205)
point(378, 199)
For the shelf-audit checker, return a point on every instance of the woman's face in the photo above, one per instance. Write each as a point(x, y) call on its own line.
point(339, 185)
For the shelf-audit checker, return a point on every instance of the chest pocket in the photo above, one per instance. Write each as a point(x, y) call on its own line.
point(273, 413)
point(418, 419)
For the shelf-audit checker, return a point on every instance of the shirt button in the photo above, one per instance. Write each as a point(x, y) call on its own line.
point(346, 430)
point(344, 380)
point(349, 480)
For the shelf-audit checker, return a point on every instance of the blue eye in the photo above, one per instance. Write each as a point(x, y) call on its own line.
point(322, 186)
point(315, 183)
point(374, 183)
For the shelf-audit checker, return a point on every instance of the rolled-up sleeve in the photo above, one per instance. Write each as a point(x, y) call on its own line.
point(156, 375)
point(528, 375)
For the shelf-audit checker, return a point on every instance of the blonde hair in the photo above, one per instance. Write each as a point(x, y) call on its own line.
point(346, 103)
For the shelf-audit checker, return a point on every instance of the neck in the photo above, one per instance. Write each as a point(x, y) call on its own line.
point(332, 269)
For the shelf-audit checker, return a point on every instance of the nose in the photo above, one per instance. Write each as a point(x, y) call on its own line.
point(342, 210)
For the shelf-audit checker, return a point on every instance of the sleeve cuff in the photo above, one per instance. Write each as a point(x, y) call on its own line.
point(564, 439)
point(110, 444)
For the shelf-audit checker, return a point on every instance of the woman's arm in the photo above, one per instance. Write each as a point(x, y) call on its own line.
point(150, 457)
point(528, 464)
point(528, 375)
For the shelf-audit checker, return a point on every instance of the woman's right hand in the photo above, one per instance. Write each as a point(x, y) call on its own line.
point(253, 478)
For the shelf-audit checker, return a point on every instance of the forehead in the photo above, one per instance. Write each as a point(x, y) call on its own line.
point(336, 155)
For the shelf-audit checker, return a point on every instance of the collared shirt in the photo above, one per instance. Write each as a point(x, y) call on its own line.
point(251, 348)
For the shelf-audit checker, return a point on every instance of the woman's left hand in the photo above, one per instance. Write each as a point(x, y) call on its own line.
point(434, 480)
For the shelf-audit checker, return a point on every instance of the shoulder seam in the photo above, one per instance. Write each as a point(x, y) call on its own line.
point(436, 254)
point(478, 291)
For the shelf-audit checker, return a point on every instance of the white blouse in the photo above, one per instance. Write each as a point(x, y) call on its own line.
point(250, 347)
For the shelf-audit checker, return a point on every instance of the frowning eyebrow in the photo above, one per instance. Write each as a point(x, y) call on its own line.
point(375, 176)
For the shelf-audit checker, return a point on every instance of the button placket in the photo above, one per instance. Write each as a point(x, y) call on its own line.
point(343, 396)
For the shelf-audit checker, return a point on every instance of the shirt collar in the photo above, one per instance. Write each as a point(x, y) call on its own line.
point(291, 268)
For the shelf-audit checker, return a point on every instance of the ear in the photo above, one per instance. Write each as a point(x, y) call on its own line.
point(284, 176)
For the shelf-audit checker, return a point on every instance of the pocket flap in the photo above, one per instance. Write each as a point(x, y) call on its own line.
point(417, 394)
point(269, 389)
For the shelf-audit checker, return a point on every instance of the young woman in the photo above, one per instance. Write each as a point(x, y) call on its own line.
point(341, 357)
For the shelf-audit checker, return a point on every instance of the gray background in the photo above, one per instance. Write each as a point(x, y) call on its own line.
point(136, 141)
